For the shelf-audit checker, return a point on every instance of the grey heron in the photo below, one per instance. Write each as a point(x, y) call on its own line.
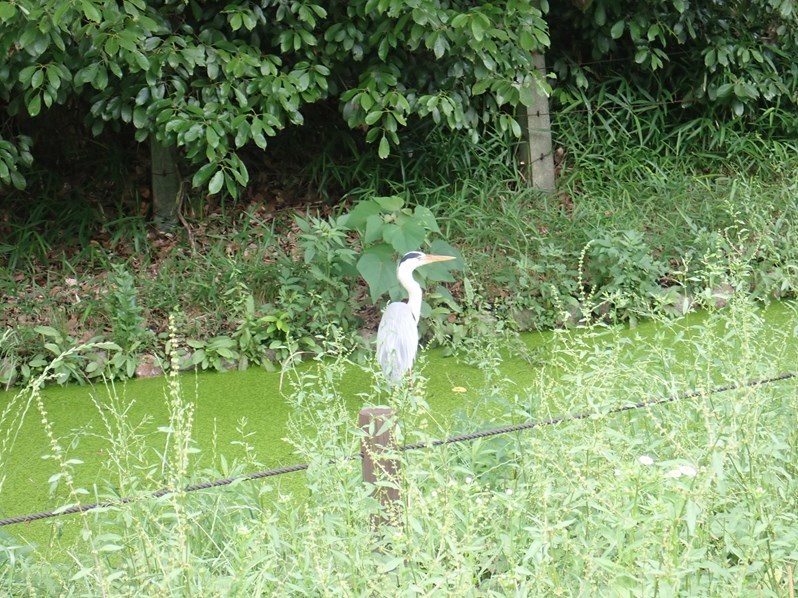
point(397, 335)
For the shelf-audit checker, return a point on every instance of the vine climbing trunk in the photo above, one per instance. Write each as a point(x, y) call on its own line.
point(165, 186)
point(535, 154)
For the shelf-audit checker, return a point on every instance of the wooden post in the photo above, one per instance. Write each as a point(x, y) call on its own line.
point(536, 157)
point(379, 461)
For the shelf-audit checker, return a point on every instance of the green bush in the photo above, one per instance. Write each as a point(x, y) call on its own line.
point(212, 79)
point(717, 59)
point(388, 229)
point(622, 270)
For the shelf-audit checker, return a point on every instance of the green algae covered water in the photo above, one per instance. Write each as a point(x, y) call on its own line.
point(243, 416)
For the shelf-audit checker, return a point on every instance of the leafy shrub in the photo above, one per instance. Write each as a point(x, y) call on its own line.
point(14, 156)
point(129, 329)
point(715, 59)
point(387, 227)
point(545, 289)
point(621, 264)
point(212, 81)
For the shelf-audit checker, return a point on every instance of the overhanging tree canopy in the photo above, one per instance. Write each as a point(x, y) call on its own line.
point(212, 77)
point(729, 58)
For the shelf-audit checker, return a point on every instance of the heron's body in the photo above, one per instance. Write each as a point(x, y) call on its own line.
point(397, 341)
point(397, 335)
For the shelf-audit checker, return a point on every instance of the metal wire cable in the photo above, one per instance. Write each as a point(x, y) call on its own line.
point(407, 447)
point(588, 414)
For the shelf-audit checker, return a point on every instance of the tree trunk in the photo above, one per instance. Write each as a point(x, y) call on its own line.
point(535, 153)
point(165, 186)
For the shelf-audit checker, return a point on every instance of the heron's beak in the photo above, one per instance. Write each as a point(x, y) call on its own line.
point(428, 259)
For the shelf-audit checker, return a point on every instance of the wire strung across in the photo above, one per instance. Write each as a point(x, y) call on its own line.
point(81, 508)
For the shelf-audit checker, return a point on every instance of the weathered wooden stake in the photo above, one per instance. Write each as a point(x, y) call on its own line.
point(380, 462)
point(535, 151)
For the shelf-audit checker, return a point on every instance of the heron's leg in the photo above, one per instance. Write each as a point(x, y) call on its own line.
point(411, 376)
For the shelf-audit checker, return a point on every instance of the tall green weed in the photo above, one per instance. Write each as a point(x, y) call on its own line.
point(692, 497)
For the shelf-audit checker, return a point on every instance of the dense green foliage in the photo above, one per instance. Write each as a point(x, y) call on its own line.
point(216, 80)
point(211, 78)
point(719, 59)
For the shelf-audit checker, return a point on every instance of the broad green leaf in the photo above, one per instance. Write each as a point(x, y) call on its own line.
point(366, 101)
point(90, 11)
point(404, 238)
point(390, 203)
point(108, 346)
point(441, 272)
point(725, 90)
point(373, 117)
point(440, 46)
point(526, 96)
point(26, 74)
point(384, 149)
point(35, 105)
point(374, 225)
point(215, 185)
point(515, 128)
point(211, 137)
point(139, 117)
point(424, 216)
point(83, 572)
point(438, 272)
point(653, 32)
point(358, 217)
point(479, 25)
point(141, 60)
point(18, 180)
point(460, 20)
point(377, 266)
point(86, 74)
point(37, 79)
point(744, 90)
point(7, 11)
point(600, 16)
point(481, 86)
point(526, 40)
point(617, 29)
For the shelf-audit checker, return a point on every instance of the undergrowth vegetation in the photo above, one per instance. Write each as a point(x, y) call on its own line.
point(692, 497)
point(643, 218)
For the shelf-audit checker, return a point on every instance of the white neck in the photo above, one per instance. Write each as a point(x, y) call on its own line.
point(405, 276)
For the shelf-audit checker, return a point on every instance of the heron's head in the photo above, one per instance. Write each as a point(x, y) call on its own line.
point(413, 259)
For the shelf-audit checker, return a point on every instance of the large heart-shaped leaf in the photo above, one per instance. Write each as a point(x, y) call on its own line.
point(405, 236)
point(378, 269)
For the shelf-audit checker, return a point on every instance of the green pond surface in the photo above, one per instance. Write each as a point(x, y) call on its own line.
point(455, 393)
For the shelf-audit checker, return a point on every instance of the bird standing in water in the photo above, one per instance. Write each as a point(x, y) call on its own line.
point(397, 335)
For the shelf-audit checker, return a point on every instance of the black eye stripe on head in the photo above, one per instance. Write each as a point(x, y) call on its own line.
point(410, 255)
